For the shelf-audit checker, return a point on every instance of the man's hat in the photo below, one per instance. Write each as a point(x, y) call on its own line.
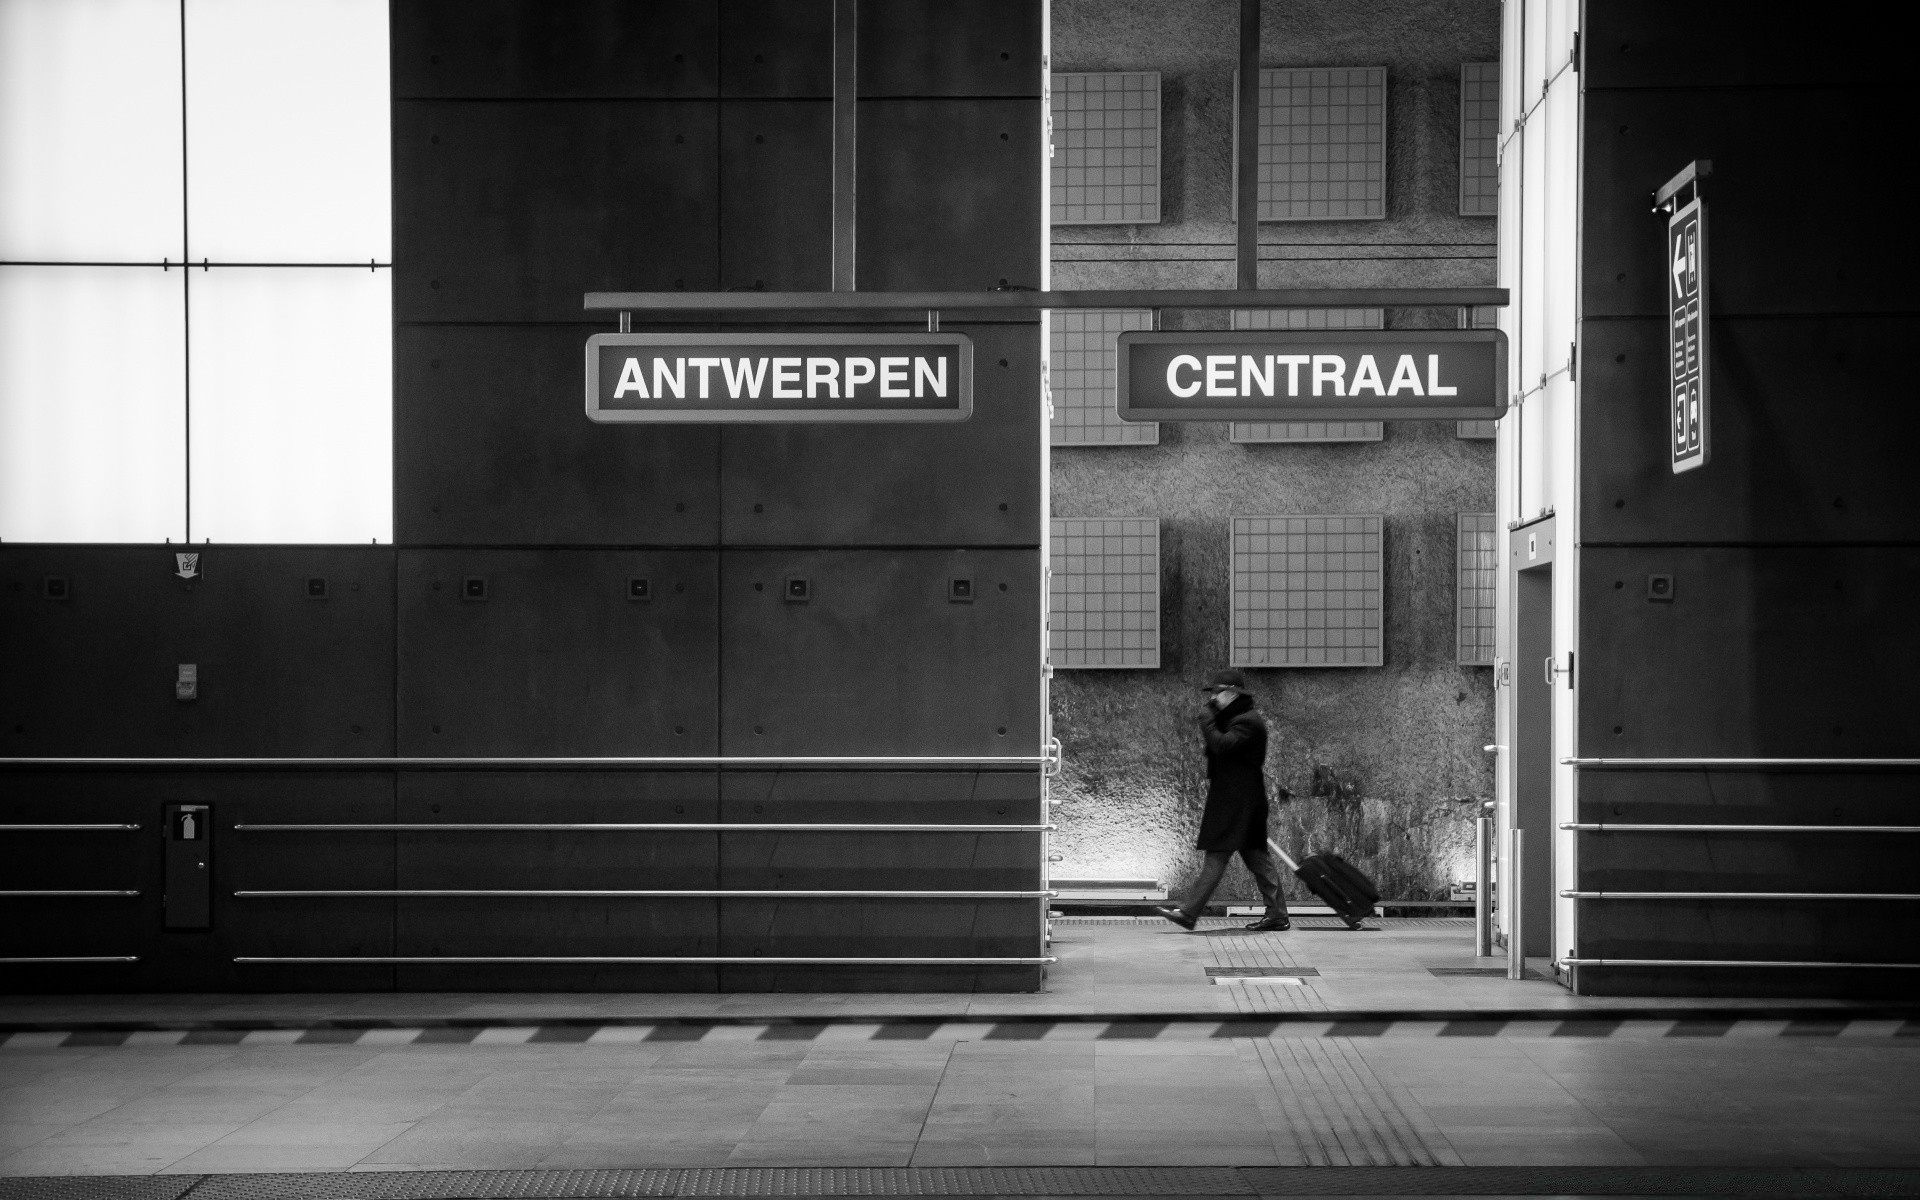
point(1232, 679)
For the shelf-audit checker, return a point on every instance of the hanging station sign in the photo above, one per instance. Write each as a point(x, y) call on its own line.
point(1313, 375)
point(1686, 271)
point(779, 377)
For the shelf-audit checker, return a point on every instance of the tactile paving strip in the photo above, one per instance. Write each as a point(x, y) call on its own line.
point(107, 1187)
point(1443, 1180)
point(445, 1185)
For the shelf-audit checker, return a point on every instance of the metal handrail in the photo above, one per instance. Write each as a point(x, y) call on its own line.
point(1730, 962)
point(66, 892)
point(1740, 895)
point(855, 301)
point(628, 827)
point(68, 828)
point(1608, 827)
point(684, 959)
point(684, 762)
point(73, 958)
point(635, 894)
point(1628, 764)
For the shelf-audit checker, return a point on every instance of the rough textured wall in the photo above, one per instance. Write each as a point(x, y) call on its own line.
point(1385, 764)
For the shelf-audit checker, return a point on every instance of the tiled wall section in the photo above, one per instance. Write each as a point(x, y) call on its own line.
point(1105, 593)
point(1323, 144)
point(1306, 591)
point(1307, 431)
point(1106, 148)
point(1083, 376)
point(1478, 561)
point(1479, 138)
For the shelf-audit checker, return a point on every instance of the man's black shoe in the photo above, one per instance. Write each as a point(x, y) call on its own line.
point(1270, 925)
point(1177, 917)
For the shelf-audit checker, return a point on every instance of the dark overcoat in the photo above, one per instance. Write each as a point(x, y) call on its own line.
point(1236, 814)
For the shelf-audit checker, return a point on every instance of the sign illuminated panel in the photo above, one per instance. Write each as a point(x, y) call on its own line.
point(783, 377)
point(1313, 375)
point(1686, 272)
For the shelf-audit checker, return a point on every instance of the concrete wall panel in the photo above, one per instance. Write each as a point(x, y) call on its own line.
point(975, 482)
point(557, 659)
point(878, 660)
point(491, 446)
point(1758, 201)
point(776, 48)
point(536, 49)
point(949, 194)
point(1759, 653)
point(776, 195)
point(512, 211)
point(925, 48)
point(1790, 462)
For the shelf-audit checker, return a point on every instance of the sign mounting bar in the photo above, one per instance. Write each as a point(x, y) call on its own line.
point(790, 302)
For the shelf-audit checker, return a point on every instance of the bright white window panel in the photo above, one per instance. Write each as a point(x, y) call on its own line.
point(1479, 138)
point(1106, 148)
point(1474, 583)
point(1307, 591)
point(1083, 377)
point(1323, 144)
point(292, 405)
point(1307, 431)
point(92, 404)
point(1104, 599)
point(288, 131)
point(90, 131)
point(1481, 316)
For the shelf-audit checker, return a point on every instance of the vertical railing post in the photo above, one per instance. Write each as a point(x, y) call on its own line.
point(1483, 887)
point(1510, 884)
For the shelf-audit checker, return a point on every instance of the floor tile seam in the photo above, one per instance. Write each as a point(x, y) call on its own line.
point(1307, 1078)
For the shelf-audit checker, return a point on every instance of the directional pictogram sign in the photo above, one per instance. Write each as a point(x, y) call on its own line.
point(1687, 334)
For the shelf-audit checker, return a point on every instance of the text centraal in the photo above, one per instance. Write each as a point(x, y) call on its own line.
point(1326, 374)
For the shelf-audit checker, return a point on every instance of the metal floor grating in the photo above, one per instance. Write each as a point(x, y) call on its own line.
point(608, 1184)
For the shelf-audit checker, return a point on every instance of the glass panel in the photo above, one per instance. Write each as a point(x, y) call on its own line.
point(292, 405)
point(288, 151)
point(90, 130)
point(92, 404)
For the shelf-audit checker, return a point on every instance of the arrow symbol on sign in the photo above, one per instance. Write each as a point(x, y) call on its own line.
point(1680, 265)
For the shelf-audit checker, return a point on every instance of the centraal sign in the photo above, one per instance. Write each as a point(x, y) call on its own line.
point(1313, 375)
point(728, 377)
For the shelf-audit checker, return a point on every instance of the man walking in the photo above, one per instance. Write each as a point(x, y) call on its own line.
point(1235, 818)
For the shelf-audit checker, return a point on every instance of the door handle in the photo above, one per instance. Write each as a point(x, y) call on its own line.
point(1552, 669)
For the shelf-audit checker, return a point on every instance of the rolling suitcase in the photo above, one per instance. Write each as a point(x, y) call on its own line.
point(1347, 892)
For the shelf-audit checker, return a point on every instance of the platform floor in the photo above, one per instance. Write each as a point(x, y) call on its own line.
point(1074, 1076)
point(1108, 966)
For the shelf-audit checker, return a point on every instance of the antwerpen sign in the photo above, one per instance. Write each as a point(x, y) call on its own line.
point(1313, 375)
point(760, 377)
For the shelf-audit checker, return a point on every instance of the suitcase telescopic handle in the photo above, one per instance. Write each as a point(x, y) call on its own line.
point(1282, 855)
